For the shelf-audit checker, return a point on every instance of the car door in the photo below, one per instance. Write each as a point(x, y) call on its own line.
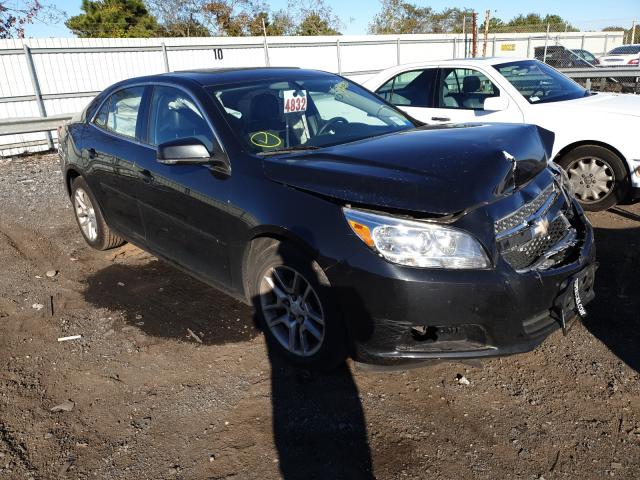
point(110, 147)
point(460, 96)
point(411, 91)
point(184, 207)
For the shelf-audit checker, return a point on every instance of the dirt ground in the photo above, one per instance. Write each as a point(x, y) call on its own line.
point(143, 399)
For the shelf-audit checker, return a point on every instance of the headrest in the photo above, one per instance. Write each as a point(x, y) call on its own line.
point(470, 84)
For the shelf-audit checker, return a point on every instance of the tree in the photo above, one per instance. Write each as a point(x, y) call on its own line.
point(627, 33)
point(533, 22)
point(184, 28)
point(15, 15)
point(114, 18)
point(398, 17)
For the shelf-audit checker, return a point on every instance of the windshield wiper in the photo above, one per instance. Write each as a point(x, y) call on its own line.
point(299, 148)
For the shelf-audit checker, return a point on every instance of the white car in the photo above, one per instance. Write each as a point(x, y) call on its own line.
point(596, 134)
point(624, 56)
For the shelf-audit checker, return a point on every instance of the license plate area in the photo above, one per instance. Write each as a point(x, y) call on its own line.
point(571, 302)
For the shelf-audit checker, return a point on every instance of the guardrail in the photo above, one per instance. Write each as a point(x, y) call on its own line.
point(50, 123)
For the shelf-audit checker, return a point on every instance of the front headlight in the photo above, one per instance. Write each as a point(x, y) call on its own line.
point(417, 244)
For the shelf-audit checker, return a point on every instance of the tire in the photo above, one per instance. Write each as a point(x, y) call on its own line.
point(275, 266)
point(588, 162)
point(89, 217)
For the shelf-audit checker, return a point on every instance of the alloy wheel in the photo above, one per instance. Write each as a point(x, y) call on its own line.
point(292, 311)
point(592, 179)
point(85, 214)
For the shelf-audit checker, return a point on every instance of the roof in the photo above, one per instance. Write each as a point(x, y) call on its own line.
point(217, 76)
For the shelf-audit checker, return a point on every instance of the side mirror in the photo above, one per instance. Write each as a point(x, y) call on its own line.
point(183, 151)
point(496, 104)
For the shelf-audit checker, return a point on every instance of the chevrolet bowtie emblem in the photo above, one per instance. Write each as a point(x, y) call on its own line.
point(541, 227)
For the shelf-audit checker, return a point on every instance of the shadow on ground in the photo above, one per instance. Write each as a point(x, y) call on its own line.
point(163, 302)
point(614, 316)
point(319, 428)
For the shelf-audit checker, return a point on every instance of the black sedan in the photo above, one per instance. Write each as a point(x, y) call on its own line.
point(353, 229)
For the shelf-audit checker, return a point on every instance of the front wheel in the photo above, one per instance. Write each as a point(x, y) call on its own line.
point(598, 176)
point(295, 306)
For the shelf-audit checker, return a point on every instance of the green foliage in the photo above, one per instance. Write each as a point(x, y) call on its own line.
point(114, 18)
point(399, 17)
point(184, 28)
point(531, 22)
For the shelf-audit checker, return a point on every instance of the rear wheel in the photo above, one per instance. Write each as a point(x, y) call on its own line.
point(295, 306)
point(597, 175)
point(89, 217)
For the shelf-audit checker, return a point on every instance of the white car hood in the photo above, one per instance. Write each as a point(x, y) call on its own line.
point(603, 103)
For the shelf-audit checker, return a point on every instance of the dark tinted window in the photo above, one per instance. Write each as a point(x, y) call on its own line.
point(119, 113)
point(174, 115)
point(410, 89)
point(625, 50)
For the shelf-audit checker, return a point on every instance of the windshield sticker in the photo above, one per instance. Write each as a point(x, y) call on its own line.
point(398, 121)
point(265, 140)
point(339, 89)
point(295, 101)
point(534, 99)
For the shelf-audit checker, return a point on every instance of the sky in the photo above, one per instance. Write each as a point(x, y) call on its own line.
point(356, 14)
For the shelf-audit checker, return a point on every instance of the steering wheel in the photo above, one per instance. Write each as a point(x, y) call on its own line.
point(332, 123)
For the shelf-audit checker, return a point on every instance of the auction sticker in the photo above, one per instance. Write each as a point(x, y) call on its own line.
point(295, 101)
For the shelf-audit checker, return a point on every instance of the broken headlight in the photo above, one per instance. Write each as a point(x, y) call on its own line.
point(417, 244)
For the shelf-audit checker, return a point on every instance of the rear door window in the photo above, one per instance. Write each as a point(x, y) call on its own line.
point(464, 88)
point(119, 113)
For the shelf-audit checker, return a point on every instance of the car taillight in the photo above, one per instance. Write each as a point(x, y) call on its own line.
point(634, 61)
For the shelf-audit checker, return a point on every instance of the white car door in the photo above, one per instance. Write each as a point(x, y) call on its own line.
point(460, 98)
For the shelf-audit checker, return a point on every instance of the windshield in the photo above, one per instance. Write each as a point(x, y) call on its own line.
point(539, 83)
point(626, 50)
point(278, 115)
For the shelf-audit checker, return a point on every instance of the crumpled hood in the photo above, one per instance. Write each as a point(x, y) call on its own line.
point(435, 170)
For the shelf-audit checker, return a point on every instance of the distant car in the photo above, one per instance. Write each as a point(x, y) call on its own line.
point(351, 227)
point(560, 57)
point(624, 56)
point(596, 134)
point(587, 56)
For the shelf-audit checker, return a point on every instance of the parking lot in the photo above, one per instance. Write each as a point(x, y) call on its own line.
point(170, 379)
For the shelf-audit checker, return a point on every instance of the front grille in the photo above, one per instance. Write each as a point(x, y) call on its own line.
point(521, 215)
point(526, 254)
point(539, 234)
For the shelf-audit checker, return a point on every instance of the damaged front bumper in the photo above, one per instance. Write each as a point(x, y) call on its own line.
point(399, 315)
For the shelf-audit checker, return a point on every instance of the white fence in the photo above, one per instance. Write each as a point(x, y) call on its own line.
point(67, 73)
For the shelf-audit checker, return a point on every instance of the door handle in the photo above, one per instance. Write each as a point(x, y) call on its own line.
point(441, 119)
point(146, 175)
point(91, 152)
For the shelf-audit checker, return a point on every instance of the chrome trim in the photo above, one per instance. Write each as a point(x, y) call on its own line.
point(538, 213)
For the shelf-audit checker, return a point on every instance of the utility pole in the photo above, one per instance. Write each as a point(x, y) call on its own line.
point(464, 35)
point(487, 16)
point(633, 32)
point(474, 34)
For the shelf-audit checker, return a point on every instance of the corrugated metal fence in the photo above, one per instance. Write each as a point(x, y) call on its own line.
point(56, 77)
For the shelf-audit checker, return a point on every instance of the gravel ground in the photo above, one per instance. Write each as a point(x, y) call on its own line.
point(139, 397)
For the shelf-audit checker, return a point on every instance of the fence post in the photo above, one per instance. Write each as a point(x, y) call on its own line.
point(36, 90)
point(606, 41)
point(398, 50)
point(582, 43)
point(165, 57)
point(339, 57)
point(546, 43)
point(455, 47)
point(528, 46)
point(493, 46)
